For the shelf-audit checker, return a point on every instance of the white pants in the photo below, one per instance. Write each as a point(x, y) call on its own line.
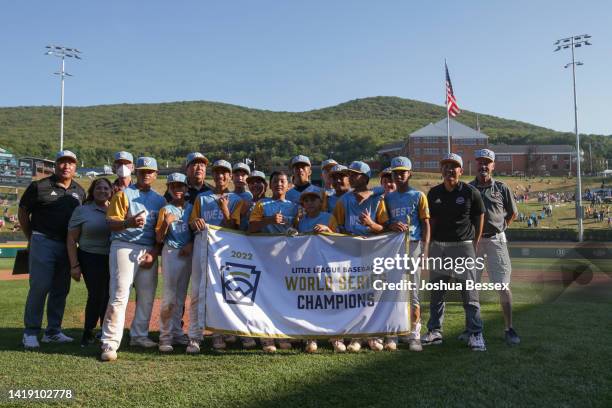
point(198, 276)
point(176, 270)
point(125, 270)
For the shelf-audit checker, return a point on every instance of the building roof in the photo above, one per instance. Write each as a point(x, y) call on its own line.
point(457, 131)
point(532, 149)
point(392, 147)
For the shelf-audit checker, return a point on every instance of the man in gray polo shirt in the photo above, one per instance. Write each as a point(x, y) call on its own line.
point(500, 211)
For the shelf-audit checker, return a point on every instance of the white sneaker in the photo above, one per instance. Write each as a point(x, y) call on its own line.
point(354, 346)
point(339, 346)
point(165, 348)
point(390, 343)
point(375, 344)
point(56, 338)
point(415, 345)
point(30, 342)
point(311, 346)
point(142, 342)
point(193, 347)
point(267, 345)
point(108, 354)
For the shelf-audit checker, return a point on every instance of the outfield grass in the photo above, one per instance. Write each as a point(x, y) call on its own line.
point(564, 360)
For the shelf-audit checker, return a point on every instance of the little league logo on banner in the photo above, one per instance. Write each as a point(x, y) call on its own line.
point(305, 286)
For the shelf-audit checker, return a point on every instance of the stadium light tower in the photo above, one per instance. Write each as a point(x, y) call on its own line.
point(63, 53)
point(572, 43)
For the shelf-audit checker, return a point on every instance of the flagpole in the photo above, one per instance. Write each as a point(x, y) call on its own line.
point(447, 114)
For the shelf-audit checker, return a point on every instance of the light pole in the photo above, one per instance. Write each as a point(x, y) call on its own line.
point(573, 42)
point(62, 52)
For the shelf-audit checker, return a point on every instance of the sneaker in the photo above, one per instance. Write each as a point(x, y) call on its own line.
point(182, 340)
point(476, 342)
point(375, 344)
point(390, 344)
point(165, 348)
point(193, 347)
point(339, 346)
point(142, 341)
point(87, 338)
point(248, 342)
point(108, 354)
point(512, 339)
point(432, 337)
point(56, 338)
point(284, 344)
point(415, 345)
point(231, 339)
point(354, 346)
point(30, 342)
point(218, 343)
point(311, 346)
point(464, 337)
point(268, 345)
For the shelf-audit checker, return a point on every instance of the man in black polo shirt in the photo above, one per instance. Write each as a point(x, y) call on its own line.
point(195, 170)
point(457, 216)
point(44, 212)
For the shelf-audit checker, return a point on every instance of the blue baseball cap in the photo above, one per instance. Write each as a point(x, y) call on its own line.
point(338, 168)
point(300, 159)
point(65, 154)
point(452, 158)
point(123, 155)
point(176, 178)
point(222, 164)
point(242, 166)
point(386, 171)
point(401, 163)
point(191, 157)
point(146, 163)
point(360, 167)
point(257, 174)
point(327, 164)
point(485, 154)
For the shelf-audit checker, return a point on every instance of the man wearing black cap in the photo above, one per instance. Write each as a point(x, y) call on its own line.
point(44, 212)
point(500, 212)
point(457, 216)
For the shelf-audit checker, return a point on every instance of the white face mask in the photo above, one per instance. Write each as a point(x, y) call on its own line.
point(123, 171)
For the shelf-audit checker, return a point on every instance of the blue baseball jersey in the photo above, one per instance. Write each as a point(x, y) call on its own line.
point(269, 207)
point(348, 211)
point(245, 195)
point(128, 203)
point(409, 207)
point(179, 233)
point(307, 224)
point(206, 206)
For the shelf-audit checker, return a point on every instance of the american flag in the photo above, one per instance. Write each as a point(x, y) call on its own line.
point(451, 102)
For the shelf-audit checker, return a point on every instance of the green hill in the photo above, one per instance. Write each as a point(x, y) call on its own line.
point(168, 131)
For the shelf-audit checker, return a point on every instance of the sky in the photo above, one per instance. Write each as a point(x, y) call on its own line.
point(297, 56)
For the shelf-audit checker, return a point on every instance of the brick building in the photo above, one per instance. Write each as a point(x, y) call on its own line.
point(426, 146)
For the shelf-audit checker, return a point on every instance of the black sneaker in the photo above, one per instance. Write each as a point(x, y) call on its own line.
point(512, 339)
point(87, 338)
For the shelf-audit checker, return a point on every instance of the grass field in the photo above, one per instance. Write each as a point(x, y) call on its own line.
point(564, 360)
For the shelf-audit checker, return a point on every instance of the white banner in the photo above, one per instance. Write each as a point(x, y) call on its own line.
point(304, 286)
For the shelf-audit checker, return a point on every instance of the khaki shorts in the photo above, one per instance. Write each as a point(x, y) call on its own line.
point(497, 259)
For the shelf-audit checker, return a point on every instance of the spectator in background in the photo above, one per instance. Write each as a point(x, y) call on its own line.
point(44, 211)
point(88, 228)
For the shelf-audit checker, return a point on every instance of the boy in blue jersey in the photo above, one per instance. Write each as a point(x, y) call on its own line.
point(173, 231)
point(315, 220)
point(409, 213)
point(326, 166)
point(387, 184)
point(301, 171)
point(361, 212)
point(339, 176)
point(218, 207)
point(132, 214)
point(240, 174)
point(276, 216)
point(257, 187)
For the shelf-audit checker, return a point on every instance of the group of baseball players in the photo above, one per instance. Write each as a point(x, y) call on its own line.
point(454, 219)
